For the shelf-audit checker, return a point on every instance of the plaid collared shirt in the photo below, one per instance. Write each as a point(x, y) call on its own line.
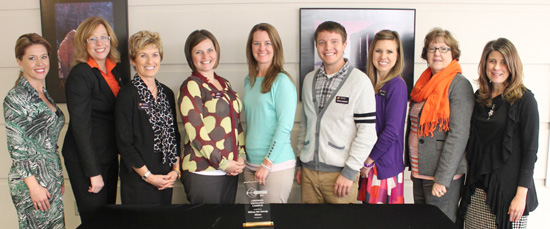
point(325, 86)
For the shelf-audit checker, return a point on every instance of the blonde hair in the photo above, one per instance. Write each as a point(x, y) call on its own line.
point(278, 57)
point(141, 39)
point(84, 31)
point(514, 88)
point(396, 70)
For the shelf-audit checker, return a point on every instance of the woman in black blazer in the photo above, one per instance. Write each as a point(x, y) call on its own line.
point(89, 149)
point(147, 128)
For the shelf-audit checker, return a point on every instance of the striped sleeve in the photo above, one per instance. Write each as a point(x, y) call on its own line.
point(365, 117)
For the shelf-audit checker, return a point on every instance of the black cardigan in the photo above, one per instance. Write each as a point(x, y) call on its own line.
point(134, 134)
point(503, 171)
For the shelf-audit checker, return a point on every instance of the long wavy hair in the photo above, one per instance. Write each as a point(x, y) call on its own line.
point(396, 70)
point(278, 57)
point(84, 31)
point(513, 87)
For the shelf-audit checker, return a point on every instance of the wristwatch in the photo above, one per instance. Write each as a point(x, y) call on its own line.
point(144, 177)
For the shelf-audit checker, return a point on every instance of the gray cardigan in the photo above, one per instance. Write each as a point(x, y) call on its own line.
point(443, 154)
point(340, 137)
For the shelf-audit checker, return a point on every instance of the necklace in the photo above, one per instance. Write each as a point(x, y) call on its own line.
point(491, 111)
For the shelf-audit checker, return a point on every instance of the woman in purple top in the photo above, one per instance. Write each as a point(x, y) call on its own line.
point(382, 181)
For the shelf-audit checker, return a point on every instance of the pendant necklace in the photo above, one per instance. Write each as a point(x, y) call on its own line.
point(491, 111)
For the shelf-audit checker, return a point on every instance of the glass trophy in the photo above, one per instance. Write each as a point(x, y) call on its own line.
point(257, 214)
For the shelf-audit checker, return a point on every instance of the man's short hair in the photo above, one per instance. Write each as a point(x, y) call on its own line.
point(331, 26)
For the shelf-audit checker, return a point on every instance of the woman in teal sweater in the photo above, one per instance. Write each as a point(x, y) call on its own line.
point(270, 106)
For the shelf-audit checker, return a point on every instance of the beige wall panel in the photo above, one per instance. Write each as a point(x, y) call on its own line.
point(14, 23)
point(9, 215)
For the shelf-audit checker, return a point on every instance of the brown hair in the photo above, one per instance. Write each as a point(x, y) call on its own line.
point(278, 57)
point(438, 34)
point(25, 41)
point(396, 70)
point(514, 88)
point(84, 31)
point(193, 40)
point(141, 39)
point(331, 26)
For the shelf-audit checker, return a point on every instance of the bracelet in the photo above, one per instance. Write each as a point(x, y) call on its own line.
point(144, 177)
point(178, 172)
point(265, 167)
point(368, 166)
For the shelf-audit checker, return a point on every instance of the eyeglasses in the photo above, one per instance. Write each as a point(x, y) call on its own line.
point(441, 49)
point(101, 39)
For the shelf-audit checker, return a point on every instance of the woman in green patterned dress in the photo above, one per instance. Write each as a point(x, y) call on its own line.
point(33, 123)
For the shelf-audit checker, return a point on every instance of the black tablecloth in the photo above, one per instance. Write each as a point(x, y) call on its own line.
point(283, 215)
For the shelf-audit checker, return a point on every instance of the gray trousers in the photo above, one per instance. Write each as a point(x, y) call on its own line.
point(448, 203)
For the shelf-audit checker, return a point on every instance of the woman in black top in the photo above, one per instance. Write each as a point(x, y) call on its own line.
point(502, 148)
point(89, 149)
point(147, 129)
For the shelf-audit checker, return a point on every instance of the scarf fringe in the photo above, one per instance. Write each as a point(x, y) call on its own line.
point(434, 90)
point(427, 129)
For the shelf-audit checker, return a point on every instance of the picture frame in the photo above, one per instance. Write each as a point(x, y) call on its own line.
point(60, 18)
point(361, 26)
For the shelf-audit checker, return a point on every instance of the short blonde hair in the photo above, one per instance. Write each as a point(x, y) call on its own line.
point(141, 39)
point(84, 31)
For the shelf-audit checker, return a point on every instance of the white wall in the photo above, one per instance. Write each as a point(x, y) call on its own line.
point(472, 22)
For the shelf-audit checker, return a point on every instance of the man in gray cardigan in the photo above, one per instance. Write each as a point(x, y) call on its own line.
point(337, 129)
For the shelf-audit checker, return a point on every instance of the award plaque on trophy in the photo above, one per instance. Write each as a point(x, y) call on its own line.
point(257, 213)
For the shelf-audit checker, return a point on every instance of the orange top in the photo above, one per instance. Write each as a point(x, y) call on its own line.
point(109, 77)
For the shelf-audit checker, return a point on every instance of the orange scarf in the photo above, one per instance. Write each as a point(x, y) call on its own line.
point(435, 91)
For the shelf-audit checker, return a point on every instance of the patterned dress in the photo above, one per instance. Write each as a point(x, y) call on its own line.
point(32, 130)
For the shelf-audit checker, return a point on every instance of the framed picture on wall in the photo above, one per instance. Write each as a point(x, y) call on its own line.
point(60, 18)
point(361, 26)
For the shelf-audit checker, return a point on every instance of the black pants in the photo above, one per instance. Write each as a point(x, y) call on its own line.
point(201, 189)
point(88, 202)
point(134, 190)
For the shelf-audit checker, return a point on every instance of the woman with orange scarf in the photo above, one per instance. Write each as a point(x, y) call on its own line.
point(438, 126)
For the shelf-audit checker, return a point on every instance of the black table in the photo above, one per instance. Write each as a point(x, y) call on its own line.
point(334, 216)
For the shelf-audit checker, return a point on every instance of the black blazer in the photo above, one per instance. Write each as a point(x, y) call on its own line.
point(135, 137)
point(90, 139)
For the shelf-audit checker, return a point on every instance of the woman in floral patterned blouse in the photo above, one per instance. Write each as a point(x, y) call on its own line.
point(214, 141)
point(33, 123)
